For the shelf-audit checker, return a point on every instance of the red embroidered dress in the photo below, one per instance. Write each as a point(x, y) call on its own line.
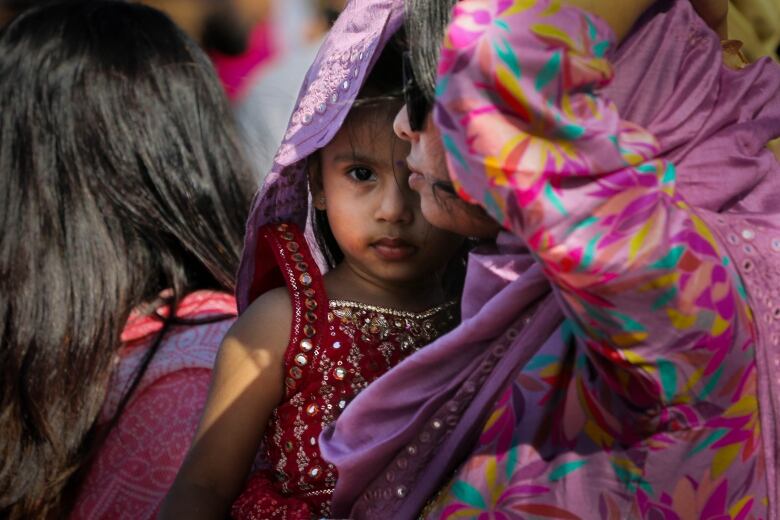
point(336, 349)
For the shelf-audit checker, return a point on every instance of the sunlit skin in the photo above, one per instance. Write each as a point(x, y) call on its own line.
point(428, 166)
point(389, 247)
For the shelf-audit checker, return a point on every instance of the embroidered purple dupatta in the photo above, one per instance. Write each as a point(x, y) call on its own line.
point(697, 111)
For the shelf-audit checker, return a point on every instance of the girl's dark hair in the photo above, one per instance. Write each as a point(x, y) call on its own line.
point(121, 179)
point(425, 24)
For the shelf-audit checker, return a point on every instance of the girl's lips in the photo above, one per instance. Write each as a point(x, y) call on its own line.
point(393, 249)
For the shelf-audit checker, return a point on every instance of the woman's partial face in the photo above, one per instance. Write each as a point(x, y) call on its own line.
point(430, 178)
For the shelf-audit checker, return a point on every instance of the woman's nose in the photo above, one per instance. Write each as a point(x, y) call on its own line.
point(401, 126)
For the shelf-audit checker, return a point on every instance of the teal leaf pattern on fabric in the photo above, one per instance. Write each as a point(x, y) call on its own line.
point(452, 148)
point(711, 384)
point(708, 441)
point(671, 259)
point(590, 253)
point(549, 72)
point(492, 204)
point(555, 200)
point(540, 361)
point(441, 87)
point(665, 298)
point(670, 174)
point(584, 223)
point(631, 480)
point(592, 29)
point(668, 373)
point(502, 24)
point(507, 55)
point(511, 462)
point(600, 49)
point(468, 494)
point(569, 132)
point(566, 468)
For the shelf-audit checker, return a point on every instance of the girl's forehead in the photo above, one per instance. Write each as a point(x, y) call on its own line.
point(382, 146)
point(367, 131)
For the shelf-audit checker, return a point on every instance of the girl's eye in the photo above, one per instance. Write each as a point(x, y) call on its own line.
point(361, 174)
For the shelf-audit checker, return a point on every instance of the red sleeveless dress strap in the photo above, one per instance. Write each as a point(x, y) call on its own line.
point(283, 258)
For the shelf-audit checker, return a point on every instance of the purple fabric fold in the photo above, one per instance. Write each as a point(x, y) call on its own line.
point(707, 118)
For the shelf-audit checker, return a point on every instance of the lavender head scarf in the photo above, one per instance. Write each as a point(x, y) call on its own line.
point(344, 60)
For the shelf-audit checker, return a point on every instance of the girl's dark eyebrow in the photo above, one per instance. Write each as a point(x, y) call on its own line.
point(355, 157)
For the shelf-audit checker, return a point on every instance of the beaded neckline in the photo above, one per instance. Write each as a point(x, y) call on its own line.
point(336, 304)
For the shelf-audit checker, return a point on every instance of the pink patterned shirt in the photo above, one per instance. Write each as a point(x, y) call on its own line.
point(141, 456)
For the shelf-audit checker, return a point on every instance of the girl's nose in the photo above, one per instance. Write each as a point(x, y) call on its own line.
point(401, 126)
point(397, 202)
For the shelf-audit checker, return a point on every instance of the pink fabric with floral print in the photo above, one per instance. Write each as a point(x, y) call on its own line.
point(141, 455)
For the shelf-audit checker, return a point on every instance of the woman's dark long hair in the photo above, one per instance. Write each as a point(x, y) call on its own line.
point(120, 177)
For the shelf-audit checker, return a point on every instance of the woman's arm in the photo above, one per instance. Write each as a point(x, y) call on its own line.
point(715, 14)
point(246, 386)
point(648, 289)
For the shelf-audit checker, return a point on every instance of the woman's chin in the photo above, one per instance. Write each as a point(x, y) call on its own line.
point(454, 217)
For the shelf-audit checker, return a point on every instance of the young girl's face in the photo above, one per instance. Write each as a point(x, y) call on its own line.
point(374, 215)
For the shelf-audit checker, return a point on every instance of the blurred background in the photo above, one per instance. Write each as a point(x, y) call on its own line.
point(262, 49)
